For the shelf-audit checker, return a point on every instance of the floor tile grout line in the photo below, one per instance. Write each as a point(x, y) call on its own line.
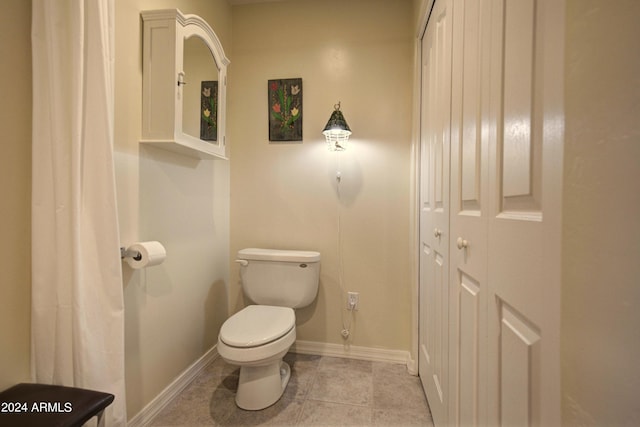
point(298, 420)
point(307, 392)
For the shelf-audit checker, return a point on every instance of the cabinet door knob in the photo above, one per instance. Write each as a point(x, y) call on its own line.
point(437, 233)
point(462, 244)
point(181, 78)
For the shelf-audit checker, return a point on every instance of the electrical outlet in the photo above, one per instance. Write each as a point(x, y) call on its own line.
point(353, 298)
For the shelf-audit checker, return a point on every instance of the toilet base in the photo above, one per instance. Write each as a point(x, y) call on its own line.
point(262, 386)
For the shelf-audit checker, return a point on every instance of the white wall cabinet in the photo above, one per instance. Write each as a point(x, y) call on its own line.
point(491, 164)
point(184, 85)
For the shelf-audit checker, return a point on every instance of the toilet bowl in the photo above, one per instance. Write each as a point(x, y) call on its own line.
point(257, 337)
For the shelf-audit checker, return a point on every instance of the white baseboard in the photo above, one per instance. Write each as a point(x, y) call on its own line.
point(412, 366)
point(355, 352)
point(153, 408)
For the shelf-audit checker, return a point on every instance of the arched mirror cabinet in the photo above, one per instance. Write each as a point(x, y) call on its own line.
point(184, 85)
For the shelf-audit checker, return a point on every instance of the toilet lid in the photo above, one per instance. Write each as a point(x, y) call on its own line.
point(257, 325)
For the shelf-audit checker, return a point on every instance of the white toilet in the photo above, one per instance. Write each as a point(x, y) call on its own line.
point(257, 337)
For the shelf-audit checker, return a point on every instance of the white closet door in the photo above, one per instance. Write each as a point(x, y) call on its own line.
point(526, 140)
point(491, 174)
point(434, 210)
point(469, 211)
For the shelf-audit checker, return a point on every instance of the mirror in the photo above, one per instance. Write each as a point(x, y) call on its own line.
point(201, 91)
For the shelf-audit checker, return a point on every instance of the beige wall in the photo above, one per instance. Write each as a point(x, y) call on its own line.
point(601, 231)
point(15, 182)
point(284, 194)
point(173, 311)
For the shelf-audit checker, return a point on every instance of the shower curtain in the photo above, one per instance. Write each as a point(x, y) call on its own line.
point(77, 318)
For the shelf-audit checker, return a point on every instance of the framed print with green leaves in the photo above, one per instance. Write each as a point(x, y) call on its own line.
point(285, 110)
point(209, 111)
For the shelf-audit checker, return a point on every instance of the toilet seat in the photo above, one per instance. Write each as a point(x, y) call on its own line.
point(257, 325)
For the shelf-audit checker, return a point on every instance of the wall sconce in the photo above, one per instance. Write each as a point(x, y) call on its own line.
point(337, 131)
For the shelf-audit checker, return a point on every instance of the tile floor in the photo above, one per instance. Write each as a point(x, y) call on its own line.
point(322, 391)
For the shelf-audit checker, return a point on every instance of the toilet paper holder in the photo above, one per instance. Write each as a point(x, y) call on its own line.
point(128, 253)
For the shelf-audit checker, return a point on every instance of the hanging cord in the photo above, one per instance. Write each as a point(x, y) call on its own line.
point(346, 323)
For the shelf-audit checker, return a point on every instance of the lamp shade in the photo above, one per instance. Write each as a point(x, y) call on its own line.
point(337, 131)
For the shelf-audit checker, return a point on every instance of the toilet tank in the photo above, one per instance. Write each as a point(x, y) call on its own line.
point(284, 278)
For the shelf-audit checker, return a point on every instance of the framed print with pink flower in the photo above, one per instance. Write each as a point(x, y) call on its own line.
point(209, 111)
point(285, 110)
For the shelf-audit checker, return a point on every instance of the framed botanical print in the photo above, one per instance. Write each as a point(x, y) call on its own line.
point(209, 111)
point(285, 109)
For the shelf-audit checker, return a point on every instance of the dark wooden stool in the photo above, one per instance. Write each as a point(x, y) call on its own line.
point(42, 405)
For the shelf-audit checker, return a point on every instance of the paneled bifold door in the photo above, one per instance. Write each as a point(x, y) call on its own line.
point(490, 174)
point(434, 209)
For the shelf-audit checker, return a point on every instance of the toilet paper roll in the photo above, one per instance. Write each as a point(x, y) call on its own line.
point(151, 253)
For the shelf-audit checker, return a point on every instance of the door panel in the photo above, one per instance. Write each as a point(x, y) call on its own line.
point(519, 368)
point(468, 75)
point(517, 97)
point(525, 149)
point(520, 156)
point(469, 213)
point(470, 305)
point(434, 211)
point(426, 317)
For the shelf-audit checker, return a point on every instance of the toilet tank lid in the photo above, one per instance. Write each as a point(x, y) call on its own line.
point(278, 255)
